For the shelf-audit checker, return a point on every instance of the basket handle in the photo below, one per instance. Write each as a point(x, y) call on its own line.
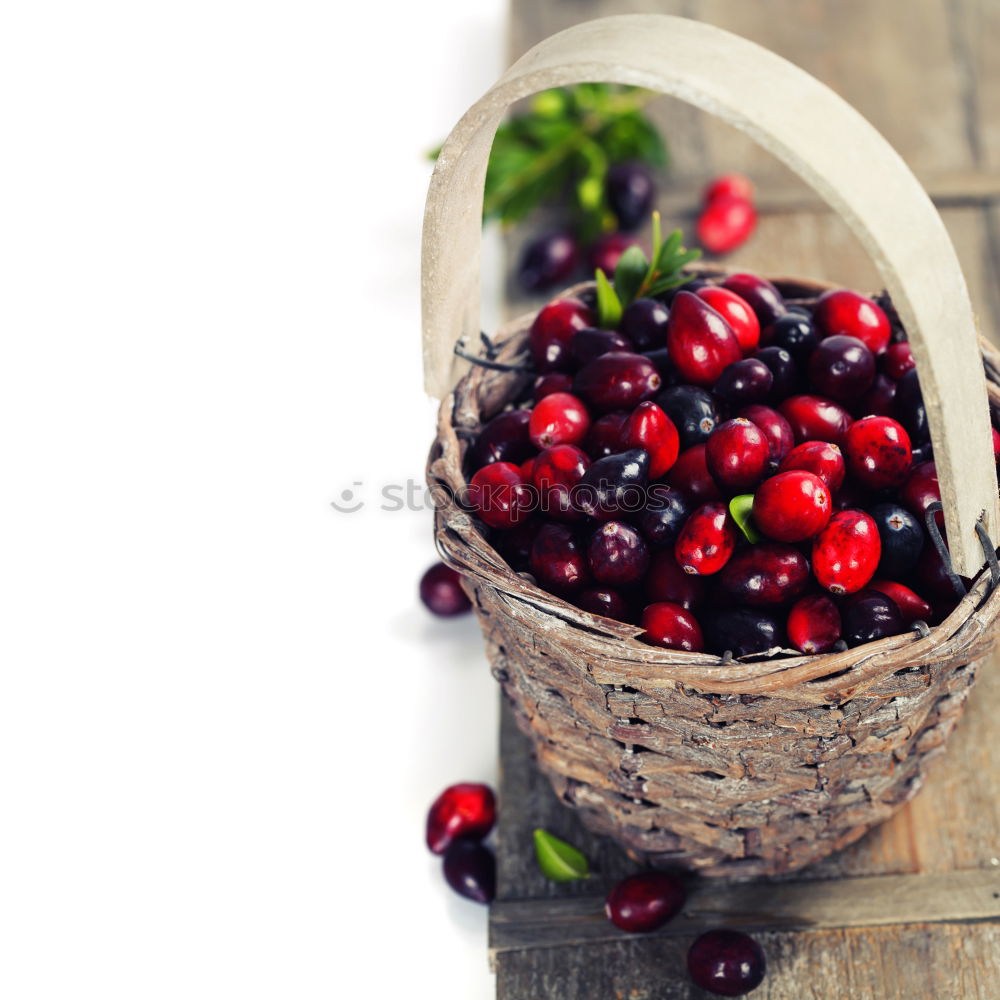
point(815, 133)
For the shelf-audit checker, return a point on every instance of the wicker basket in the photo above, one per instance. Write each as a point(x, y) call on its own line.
point(727, 767)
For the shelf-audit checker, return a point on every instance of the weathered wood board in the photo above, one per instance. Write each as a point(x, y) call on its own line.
point(913, 909)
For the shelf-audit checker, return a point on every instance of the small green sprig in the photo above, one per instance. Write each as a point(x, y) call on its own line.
point(560, 149)
point(636, 277)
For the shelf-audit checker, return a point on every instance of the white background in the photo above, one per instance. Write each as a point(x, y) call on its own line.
point(223, 712)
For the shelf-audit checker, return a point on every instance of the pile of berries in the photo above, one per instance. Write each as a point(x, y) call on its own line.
point(729, 470)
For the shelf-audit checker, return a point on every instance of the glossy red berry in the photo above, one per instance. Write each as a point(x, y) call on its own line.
point(842, 368)
point(643, 902)
point(763, 297)
point(815, 418)
point(920, 490)
point(737, 313)
point(604, 436)
point(911, 605)
point(673, 627)
point(821, 459)
point(996, 445)
point(505, 438)
point(737, 455)
point(618, 380)
point(552, 331)
point(728, 186)
point(700, 341)
point(617, 554)
point(898, 360)
point(878, 452)
point(441, 591)
point(546, 385)
point(603, 601)
point(727, 963)
point(846, 312)
point(554, 474)
point(667, 582)
point(814, 624)
point(846, 552)
point(466, 810)
point(765, 574)
point(556, 561)
point(776, 428)
point(707, 540)
point(500, 496)
point(561, 418)
point(725, 224)
point(690, 475)
point(652, 430)
point(792, 506)
point(470, 869)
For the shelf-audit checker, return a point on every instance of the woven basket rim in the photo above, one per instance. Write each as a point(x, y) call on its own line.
point(838, 674)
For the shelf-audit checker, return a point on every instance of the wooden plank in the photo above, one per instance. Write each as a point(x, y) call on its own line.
point(975, 31)
point(807, 905)
point(938, 961)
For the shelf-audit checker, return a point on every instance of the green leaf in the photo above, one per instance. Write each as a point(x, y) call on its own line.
point(609, 306)
point(741, 507)
point(559, 861)
point(630, 273)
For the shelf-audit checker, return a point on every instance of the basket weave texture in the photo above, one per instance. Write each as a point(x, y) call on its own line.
point(738, 768)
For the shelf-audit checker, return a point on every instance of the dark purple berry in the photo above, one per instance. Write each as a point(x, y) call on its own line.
point(617, 554)
point(547, 261)
point(902, 537)
point(693, 412)
point(795, 333)
point(869, 615)
point(604, 601)
point(630, 190)
point(441, 591)
point(644, 322)
point(470, 869)
point(614, 485)
point(504, 439)
point(783, 369)
point(744, 382)
point(741, 631)
point(727, 963)
point(664, 516)
point(842, 368)
point(591, 343)
point(910, 410)
point(617, 381)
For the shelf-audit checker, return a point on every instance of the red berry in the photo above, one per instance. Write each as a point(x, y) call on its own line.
point(726, 962)
point(441, 591)
point(552, 331)
point(500, 496)
point(470, 869)
point(546, 385)
point(690, 475)
point(667, 582)
point(556, 561)
point(878, 452)
point(776, 428)
point(814, 418)
point(911, 605)
point(527, 468)
point(814, 624)
point(672, 626)
point(700, 341)
point(842, 368)
point(996, 444)
point(726, 223)
point(645, 901)
point(737, 454)
point(729, 186)
point(846, 312)
point(617, 554)
point(920, 490)
point(821, 459)
point(846, 552)
point(555, 472)
point(604, 436)
point(792, 506)
point(768, 573)
point(603, 601)
point(736, 312)
point(465, 810)
point(618, 380)
point(707, 540)
point(898, 360)
point(652, 430)
point(764, 299)
point(561, 418)
point(608, 249)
